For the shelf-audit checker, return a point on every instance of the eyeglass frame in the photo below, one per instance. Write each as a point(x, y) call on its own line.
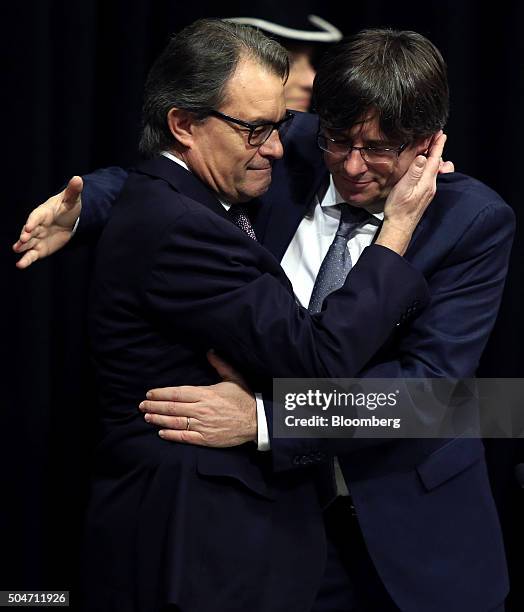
point(275, 125)
point(398, 150)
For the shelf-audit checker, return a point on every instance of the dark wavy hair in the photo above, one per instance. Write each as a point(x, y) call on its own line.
point(400, 75)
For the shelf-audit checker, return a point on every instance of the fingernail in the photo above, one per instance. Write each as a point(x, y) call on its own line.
point(161, 433)
point(147, 417)
point(142, 406)
point(149, 395)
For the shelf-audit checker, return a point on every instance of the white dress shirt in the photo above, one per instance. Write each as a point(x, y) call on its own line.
point(305, 253)
point(310, 244)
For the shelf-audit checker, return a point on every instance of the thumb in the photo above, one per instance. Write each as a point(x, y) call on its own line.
point(414, 174)
point(224, 369)
point(73, 192)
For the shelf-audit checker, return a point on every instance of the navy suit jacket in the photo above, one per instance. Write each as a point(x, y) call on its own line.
point(209, 529)
point(424, 506)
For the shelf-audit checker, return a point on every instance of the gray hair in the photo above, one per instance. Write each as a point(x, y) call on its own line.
point(193, 70)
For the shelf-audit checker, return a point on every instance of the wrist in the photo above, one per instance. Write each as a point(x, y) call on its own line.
point(395, 236)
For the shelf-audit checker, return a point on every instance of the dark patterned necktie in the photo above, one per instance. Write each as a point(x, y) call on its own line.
point(337, 262)
point(240, 218)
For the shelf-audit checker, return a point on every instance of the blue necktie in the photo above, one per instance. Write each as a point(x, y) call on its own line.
point(241, 219)
point(337, 262)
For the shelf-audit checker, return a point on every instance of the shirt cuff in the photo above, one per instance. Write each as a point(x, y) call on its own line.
point(262, 430)
point(75, 226)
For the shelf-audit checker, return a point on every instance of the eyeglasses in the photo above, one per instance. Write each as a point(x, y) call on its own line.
point(371, 155)
point(258, 132)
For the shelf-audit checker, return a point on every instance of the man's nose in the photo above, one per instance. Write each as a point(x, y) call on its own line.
point(354, 164)
point(272, 147)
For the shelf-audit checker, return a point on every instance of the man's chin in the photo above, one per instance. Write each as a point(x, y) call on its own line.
point(251, 194)
point(259, 187)
point(359, 199)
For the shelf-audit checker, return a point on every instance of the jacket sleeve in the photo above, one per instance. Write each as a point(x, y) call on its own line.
point(217, 290)
point(448, 338)
point(101, 188)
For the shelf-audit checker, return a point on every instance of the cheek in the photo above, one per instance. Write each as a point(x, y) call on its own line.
point(389, 178)
point(234, 165)
point(401, 167)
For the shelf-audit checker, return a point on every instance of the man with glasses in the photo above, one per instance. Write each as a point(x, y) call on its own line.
point(420, 513)
point(199, 528)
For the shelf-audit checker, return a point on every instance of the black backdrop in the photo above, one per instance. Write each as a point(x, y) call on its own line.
point(71, 100)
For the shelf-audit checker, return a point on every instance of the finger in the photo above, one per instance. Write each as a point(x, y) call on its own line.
point(25, 235)
point(223, 368)
point(39, 216)
point(434, 159)
point(169, 408)
point(446, 167)
point(437, 149)
point(185, 393)
point(73, 192)
point(21, 247)
point(184, 436)
point(37, 232)
point(169, 422)
point(29, 258)
point(416, 170)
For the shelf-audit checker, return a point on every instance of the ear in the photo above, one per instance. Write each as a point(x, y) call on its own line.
point(180, 124)
point(424, 145)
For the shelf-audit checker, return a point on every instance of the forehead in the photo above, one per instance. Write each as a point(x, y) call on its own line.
point(254, 93)
point(365, 128)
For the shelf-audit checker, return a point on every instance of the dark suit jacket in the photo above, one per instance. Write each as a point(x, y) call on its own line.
point(209, 529)
point(424, 506)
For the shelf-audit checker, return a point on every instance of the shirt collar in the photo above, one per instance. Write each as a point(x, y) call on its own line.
point(178, 161)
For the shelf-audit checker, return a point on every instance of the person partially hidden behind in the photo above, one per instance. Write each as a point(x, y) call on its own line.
point(306, 38)
point(409, 524)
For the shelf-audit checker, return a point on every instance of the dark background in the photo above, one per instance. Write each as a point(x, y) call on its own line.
point(71, 99)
